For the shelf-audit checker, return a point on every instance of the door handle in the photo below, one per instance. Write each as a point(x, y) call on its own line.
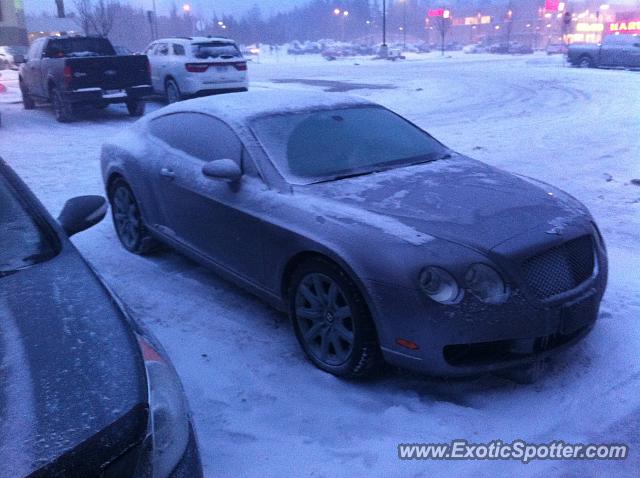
point(167, 173)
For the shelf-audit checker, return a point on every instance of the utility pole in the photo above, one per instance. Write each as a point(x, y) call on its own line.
point(384, 50)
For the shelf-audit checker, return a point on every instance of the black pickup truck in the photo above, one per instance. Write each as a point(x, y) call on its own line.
point(82, 71)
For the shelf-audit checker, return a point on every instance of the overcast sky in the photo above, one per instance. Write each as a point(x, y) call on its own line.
point(200, 7)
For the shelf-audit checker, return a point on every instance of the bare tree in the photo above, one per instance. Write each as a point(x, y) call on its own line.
point(97, 17)
point(60, 8)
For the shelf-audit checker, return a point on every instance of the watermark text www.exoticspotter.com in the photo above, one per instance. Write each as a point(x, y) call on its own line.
point(515, 450)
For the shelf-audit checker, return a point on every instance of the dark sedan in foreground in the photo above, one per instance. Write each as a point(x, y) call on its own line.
point(84, 390)
point(377, 239)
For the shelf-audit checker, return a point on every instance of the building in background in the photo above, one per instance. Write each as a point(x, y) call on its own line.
point(12, 27)
point(44, 26)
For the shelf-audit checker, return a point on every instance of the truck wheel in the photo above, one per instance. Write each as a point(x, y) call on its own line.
point(61, 108)
point(27, 100)
point(172, 92)
point(136, 107)
point(585, 62)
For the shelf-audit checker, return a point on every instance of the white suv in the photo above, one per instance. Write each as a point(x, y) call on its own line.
point(182, 67)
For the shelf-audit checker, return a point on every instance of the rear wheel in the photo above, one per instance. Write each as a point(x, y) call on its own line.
point(127, 219)
point(331, 320)
point(61, 108)
point(136, 107)
point(172, 92)
point(27, 100)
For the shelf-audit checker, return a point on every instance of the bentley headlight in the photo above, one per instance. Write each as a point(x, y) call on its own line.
point(439, 285)
point(169, 413)
point(486, 284)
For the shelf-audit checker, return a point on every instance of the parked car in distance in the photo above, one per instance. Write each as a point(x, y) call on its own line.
point(196, 66)
point(556, 49)
point(376, 238)
point(8, 56)
point(85, 389)
point(71, 72)
point(615, 51)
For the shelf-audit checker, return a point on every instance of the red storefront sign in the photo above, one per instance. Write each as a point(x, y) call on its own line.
point(551, 5)
point(436, 12)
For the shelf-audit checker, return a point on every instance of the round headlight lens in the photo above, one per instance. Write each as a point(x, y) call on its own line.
point(486, 284)
point(439, 285)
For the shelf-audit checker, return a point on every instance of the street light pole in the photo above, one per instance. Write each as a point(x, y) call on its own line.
point(404, 25)
point(384, 50)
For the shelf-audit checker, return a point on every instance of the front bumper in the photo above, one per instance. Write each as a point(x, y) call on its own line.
point(100, 96)
point(473, 337)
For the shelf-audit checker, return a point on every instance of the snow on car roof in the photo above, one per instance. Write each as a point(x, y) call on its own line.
point(237, 108)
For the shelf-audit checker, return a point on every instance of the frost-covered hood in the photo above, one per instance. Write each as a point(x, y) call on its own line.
point(69, 369)
point(457, 199)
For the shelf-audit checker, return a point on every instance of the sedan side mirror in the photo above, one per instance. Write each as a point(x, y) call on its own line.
point(225, 169)
point(19, 59)
point(81, 213)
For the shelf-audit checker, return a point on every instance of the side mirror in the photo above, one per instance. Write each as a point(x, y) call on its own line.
point(225, 169)
point(81, 213)
point(19, 59)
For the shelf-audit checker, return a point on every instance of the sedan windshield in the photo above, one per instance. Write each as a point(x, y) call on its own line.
point(214, 50)
point(326, 145)
point(22, 240)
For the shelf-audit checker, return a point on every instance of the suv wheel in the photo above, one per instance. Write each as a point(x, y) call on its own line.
point(172, 92)
point(27, 100)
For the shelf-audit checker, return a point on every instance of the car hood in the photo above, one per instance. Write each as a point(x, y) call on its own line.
point(72, 382)
point(457, 199)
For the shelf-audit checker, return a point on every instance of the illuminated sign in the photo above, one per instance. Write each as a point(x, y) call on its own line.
point(632, 26)
point(551, 5)
point(436, 12)
point(589, 27)
point(482, 20)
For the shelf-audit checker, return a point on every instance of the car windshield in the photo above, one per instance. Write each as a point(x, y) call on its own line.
point(221, 50)
point(332, 144)
point(22, 241)
point(79, 47)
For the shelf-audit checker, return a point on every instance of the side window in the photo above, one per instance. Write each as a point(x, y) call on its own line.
point(201, 136)
point(178, 50)
point(163, 49)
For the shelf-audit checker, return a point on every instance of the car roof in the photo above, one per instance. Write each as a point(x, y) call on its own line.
point(238, 108)
point(194, 39)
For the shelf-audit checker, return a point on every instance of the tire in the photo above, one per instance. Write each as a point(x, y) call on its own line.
point(172, 91)
point(585, 62)
point(136, 107)
point(332, 321)
point(61, 108)
point(27, 101)
point(127, 220)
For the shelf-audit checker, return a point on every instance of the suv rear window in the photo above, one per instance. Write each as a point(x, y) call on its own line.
point(79, 47)
point(221, 50)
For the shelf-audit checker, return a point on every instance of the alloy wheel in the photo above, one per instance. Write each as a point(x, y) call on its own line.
point(325, 319)
point(126, 217)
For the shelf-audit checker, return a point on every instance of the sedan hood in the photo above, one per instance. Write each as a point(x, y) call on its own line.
point(457, 199)
point(72, 382)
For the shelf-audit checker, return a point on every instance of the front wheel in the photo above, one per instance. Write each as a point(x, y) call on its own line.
point(585, 62)
point(128, 221)
point(136, 107)
point(332, 322)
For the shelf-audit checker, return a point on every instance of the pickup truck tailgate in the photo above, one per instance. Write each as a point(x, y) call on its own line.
point(107, 72)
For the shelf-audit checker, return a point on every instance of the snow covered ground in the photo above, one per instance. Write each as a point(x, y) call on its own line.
point(260, 408)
